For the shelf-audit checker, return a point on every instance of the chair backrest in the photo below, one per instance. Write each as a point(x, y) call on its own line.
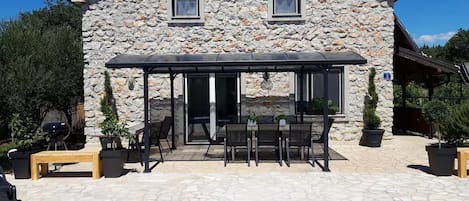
point(155, 129)
point(265, 119)
point(236, 135)
point(300, 134)
point(268, 134)
point(244, 119)
point(318, 131)
point(165, 127)
point(291, 119)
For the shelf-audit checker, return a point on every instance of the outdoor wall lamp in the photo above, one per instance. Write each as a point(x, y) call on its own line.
point(266, 83)
point(130, 83)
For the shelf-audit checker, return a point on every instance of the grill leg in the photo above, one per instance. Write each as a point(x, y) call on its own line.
point(233, 150)
point(257, 152)
point(280, 150)
point(249, 153)
point(224, 152)
point(313, 157)
point(287, 144)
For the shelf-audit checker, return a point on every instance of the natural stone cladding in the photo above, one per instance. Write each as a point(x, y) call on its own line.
point(113, 27)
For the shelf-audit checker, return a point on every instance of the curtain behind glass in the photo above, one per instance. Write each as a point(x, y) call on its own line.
point(186, 8)
point(285, 6)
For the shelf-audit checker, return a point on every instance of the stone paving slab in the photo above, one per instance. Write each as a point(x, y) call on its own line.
point(368, 174)
point(249, 186)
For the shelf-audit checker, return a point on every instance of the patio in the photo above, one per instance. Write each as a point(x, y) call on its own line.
point(392, 172)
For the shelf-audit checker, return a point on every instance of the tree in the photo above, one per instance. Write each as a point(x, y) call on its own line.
point(41, 62)
point(458, 47)
point(455, 51)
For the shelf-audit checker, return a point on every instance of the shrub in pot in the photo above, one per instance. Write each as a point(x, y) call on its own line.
point(440, 156)
point(25, 134)
point(372, 134)
point(112, 153)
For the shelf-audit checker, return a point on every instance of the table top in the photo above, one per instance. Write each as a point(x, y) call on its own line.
point(69, 152)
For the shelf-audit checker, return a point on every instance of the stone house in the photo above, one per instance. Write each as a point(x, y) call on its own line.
point(146, 27)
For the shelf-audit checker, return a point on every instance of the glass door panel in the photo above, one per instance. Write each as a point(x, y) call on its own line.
point(226, 100)
point(198, 107)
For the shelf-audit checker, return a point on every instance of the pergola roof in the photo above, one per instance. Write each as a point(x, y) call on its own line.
point(237, 62)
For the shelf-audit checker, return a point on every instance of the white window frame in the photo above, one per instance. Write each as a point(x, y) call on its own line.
point(285, 17)
point(173, 18)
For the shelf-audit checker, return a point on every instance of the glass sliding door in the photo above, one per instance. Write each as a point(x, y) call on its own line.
point(198, 107)
point(211, 103)
point(226, 86)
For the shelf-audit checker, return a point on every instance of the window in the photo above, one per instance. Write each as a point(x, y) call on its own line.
point(286, 10)
point(185, 11)
point(286, 7)
point(313, 87)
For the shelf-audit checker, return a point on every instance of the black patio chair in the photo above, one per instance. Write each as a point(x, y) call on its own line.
point(7, 190)
point(243, 119)
point(158, 130)
point(265, 119)
point(221, 128)
point(291, 119)
point(300, 137)
point(164, 132)
point(268, 135)
point(236, 136)
point(318, 136)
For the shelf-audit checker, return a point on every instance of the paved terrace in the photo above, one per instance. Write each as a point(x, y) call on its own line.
point(396, 171)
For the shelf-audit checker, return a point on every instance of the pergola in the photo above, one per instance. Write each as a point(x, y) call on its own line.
point(235, 63)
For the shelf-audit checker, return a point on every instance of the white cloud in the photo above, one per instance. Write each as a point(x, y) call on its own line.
point(435, 39)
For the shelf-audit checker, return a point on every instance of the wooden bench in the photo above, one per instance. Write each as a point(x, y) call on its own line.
point(463, 156)
point(45, 157)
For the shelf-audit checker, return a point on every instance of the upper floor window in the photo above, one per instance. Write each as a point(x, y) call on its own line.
point(286, 10)
point(286, 7)
point(185, 11)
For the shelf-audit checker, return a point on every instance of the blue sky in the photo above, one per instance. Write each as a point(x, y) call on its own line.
point(433, 22)
point(11, 8)
point(430, 22)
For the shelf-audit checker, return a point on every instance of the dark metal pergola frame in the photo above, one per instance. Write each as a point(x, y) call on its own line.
point(240, 63)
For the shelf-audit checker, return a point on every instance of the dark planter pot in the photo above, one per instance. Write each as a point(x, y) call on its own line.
point(20, 162)
point(441, 161)
point(372, 137)
point(133, 156)
point(109, 143)
point(113, 162)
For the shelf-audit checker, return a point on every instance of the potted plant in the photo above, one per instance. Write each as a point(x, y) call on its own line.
point(112, 153)
point(253, 118)
point(281, 119)
point(25, 134)
point(441, 156)
point(316, 106)
point(372, 134)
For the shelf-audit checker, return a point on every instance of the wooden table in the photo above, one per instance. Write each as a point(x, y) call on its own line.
point(463, 156)
point(45, 157)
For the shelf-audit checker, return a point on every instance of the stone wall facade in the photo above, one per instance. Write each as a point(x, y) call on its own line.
point(113, 27)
